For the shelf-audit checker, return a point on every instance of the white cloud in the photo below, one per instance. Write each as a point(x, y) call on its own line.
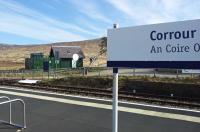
point(90, 9)
point(34, 29)
point(32, 24)
point(90, 25)
point(156, 11)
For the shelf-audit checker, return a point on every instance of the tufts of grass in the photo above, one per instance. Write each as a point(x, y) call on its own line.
point(98, 82)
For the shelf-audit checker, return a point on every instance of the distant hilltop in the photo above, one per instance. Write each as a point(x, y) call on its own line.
point(13, 56)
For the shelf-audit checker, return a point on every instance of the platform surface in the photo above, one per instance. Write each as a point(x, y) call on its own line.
point(58, 113)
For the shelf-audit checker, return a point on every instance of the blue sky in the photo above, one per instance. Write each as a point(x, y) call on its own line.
point(47, 21)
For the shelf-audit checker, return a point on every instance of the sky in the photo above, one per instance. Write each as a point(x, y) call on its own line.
point(48, 21)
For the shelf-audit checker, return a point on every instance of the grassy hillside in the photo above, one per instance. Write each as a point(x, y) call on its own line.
point(13, 56)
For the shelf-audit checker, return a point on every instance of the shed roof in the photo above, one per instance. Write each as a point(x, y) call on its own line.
point(66, 51)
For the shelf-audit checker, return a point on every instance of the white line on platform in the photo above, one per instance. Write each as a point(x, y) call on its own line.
point(106, 100)
point(104, 106)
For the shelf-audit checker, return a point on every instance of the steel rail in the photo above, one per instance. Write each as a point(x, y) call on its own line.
point(129, 96)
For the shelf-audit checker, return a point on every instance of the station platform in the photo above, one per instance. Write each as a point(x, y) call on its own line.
point(50, 112)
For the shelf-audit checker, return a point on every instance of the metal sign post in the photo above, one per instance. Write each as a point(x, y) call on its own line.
point(115, 101)
point(115, 98)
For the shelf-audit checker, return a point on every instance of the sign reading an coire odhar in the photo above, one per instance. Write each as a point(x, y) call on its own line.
point(166, 45)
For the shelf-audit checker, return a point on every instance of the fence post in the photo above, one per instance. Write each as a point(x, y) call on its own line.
point(134, 72)
point(154, 73)
point(32, 73)
point(177, 73)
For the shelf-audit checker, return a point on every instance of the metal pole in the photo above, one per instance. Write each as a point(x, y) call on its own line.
point(115, 97)
point(24, 115)
point(56, 70)
point(133, 71)
point(115, 100)
point(49, 67)
point(24, 112)
point(154, 73)
point(10, 113)
point(177, 73)
point(32, 73)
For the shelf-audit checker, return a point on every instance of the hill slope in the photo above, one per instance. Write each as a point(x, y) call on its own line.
point(13, 56)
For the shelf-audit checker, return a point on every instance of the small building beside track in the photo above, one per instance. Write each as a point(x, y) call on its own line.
point(59, 57)
point(62, 56)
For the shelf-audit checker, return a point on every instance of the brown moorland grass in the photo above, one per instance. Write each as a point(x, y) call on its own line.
point(13, 56)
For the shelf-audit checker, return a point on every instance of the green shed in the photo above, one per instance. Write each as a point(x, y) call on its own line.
point(36, 60)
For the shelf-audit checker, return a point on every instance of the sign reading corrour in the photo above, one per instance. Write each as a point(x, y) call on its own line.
point(166, 45)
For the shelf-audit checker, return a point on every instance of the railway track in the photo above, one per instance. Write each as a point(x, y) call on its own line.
point(104, 93)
